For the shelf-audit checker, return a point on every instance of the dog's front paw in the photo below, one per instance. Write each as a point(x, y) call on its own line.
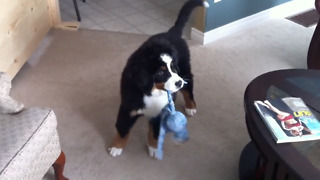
point(190, 112)
point(153, 152)
point(113, 151)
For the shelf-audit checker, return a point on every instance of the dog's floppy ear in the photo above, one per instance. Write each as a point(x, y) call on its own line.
point(143, 79)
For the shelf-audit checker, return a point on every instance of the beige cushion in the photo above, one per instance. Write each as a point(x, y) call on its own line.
point(29, 143)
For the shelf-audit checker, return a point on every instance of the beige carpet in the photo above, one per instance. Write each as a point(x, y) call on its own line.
point(77, 75)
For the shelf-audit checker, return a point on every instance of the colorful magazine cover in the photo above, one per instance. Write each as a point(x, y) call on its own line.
point(289, 119)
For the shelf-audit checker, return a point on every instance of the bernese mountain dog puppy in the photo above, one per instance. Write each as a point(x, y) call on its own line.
point(161, 63)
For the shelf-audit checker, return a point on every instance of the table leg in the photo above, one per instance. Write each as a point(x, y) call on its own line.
point(251, 164)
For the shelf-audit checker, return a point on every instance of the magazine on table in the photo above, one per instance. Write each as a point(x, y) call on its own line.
point(289, 119)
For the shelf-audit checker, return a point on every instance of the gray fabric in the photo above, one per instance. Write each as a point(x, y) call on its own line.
point(23, 138)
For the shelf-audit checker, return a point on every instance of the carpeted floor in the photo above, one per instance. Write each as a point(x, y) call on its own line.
point(77, 75)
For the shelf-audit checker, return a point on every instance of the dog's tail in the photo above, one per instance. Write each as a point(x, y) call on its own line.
point(184, 15)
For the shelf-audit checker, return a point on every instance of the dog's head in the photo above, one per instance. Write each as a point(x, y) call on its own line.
point(155, 65)
point(166, 77)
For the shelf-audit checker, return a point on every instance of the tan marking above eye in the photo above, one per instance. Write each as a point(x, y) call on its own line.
point(163, 68)
point(159, 86)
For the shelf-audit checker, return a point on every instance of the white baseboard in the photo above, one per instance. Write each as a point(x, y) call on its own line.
point(281, 11)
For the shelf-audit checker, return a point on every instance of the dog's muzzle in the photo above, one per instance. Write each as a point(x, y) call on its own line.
point(174, 83)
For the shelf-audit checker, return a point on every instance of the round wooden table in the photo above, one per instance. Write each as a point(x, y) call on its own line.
point(263, 158)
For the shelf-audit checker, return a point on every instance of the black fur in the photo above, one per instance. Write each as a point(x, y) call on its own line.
point(139, 73)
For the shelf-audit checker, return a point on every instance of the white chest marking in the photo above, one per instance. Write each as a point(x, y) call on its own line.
point(155, 103)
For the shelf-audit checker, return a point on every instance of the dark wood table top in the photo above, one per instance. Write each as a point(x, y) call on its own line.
point(287, 154)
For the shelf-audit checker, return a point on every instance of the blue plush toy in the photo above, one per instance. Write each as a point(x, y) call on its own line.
point(171, 121)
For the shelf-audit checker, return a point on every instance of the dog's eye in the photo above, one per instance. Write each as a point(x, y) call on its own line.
point(160, 73)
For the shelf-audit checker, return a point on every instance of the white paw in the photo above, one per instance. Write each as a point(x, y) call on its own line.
point(190, 112)
point(115, 151)
point(152, 152)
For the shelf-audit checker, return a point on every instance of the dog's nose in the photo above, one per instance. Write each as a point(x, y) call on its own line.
point(178, 83)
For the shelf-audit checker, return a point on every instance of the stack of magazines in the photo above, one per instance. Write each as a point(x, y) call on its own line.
point(289, 119)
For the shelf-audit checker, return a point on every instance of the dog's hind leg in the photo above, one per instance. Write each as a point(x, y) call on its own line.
point(123, 125)
point(190, 104)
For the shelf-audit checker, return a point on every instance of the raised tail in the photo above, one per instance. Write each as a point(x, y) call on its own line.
point(184, 14)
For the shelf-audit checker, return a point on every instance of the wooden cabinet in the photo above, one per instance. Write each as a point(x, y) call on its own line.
point(23, 24)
